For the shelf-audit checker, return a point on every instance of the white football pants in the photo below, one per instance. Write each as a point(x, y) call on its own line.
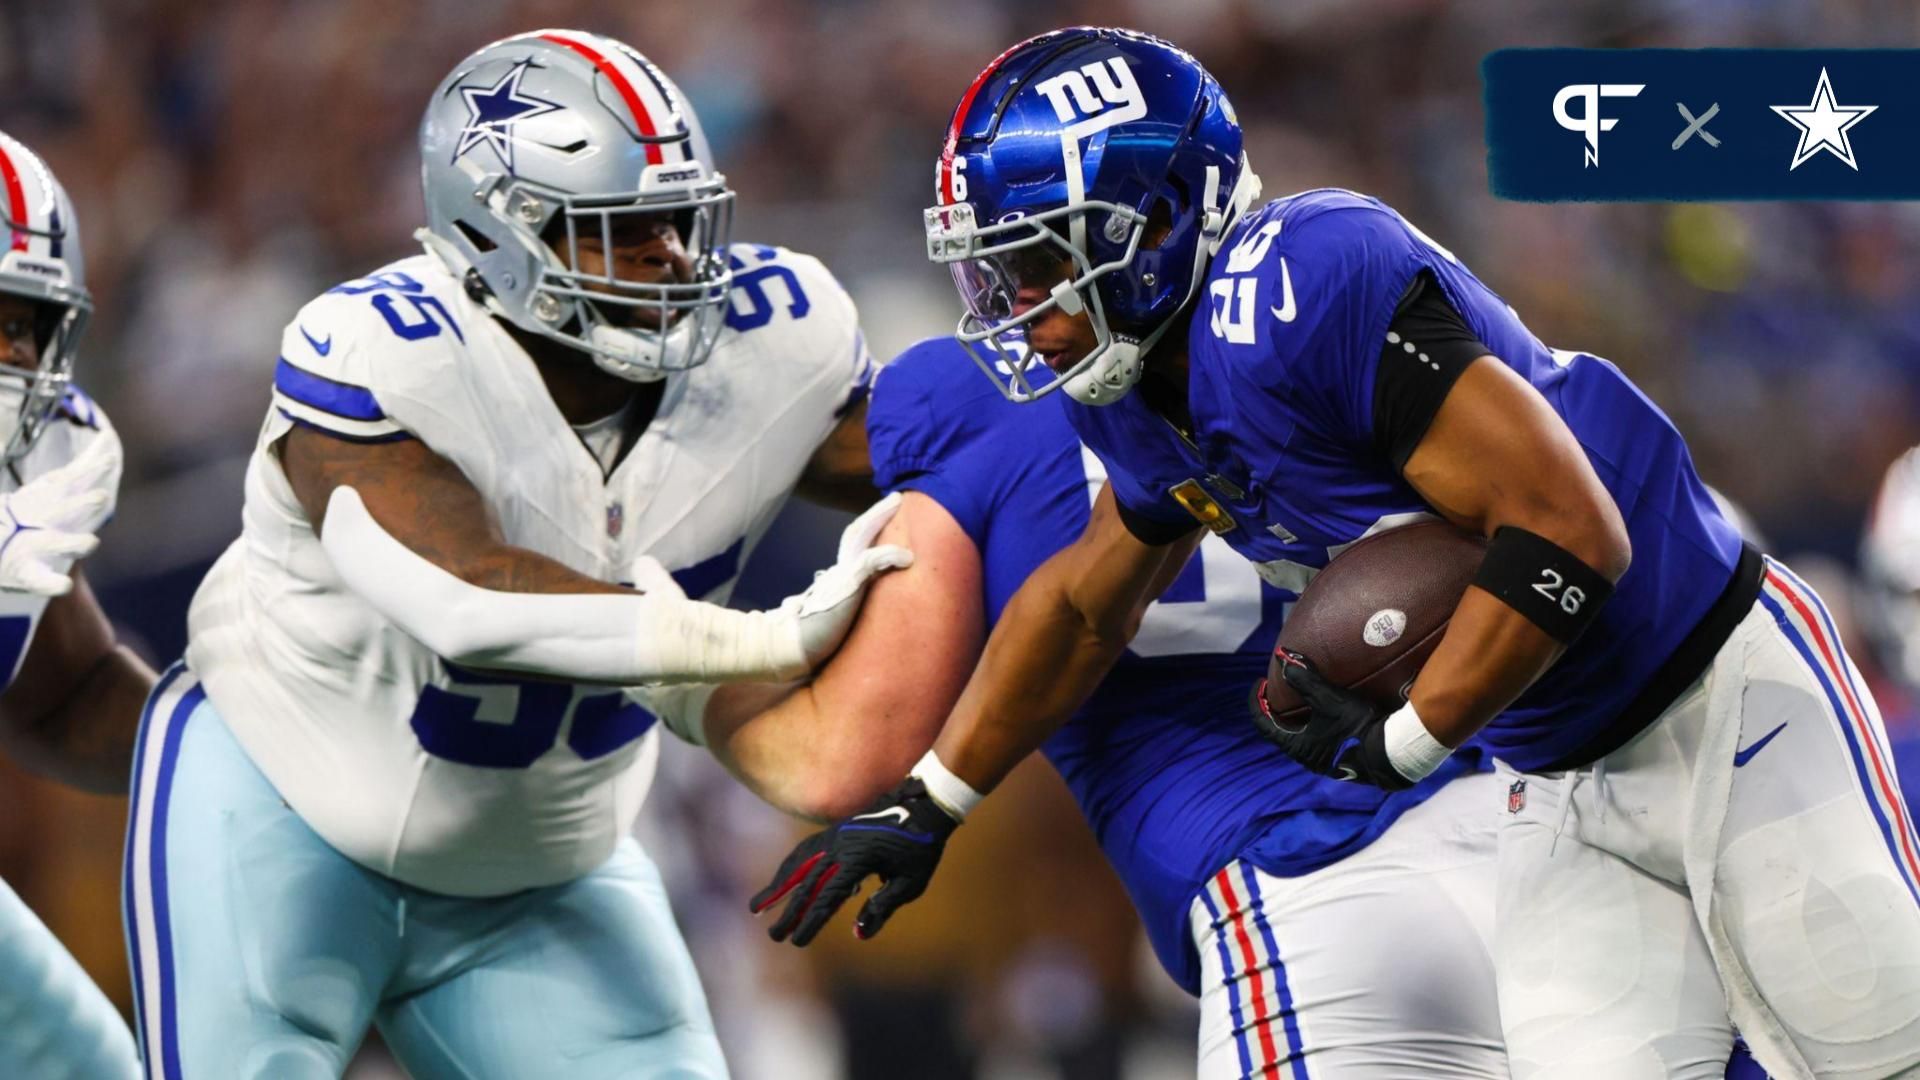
point(1377, 967)
point(1745, 862)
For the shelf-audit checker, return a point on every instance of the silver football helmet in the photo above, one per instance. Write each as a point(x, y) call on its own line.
point(40, 261)
point(543, 139)
point(1890, 571)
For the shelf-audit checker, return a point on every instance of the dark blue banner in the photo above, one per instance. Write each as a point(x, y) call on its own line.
point(1689, 124)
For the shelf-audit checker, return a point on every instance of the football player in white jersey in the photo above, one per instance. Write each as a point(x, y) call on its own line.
point(392, 782)
point(69, 694)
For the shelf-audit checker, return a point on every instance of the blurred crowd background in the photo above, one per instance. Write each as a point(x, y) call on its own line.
point(231, 158)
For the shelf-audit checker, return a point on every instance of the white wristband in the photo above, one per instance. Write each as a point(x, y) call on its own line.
point(1411, 749)
point(954, 795)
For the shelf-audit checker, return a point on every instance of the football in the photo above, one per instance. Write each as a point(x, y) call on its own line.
point(1373, 616)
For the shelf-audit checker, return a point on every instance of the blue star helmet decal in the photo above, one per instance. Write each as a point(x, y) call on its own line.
point(492, 111)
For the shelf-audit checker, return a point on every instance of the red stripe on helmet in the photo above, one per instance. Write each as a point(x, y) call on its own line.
point(621, 84)
point(16, 198)
point(960, 117)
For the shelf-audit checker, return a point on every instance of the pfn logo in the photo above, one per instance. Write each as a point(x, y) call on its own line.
point(1589, 122)
point(1100, 95)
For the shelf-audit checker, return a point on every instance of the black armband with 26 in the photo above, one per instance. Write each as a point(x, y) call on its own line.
point(1543, 581)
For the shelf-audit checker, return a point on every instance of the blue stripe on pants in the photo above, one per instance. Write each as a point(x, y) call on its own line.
point(132, 920)
point(1296, 1053)
point(1233, 992)
point(1806, 652)
point(166, 1035)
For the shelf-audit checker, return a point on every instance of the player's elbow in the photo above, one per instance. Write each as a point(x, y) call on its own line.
point(845, 781)
point(821, 801)
point(1601, 539)
point(1590, 530)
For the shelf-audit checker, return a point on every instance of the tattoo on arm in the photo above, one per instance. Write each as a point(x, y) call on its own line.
point(425, 502)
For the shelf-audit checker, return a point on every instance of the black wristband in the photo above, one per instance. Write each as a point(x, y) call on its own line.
point(1543, 581)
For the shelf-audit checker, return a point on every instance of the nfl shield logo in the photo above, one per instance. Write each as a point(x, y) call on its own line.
point(1517, 797)
point(616, 516)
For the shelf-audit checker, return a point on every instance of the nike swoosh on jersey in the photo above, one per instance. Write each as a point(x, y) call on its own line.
point(1741, 757)
point(321, 347)
point(888, 812)
point(1286, 311)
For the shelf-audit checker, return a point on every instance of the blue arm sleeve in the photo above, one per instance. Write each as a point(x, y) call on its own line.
point(914, 447)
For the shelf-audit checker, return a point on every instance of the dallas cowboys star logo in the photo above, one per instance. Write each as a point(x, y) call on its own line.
point(492, 112)
point(1823, 125)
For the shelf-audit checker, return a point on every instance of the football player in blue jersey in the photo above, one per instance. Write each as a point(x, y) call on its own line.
point(1700, 827)
point(1283, 900)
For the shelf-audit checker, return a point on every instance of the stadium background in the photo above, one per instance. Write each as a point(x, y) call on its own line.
point(230, 159)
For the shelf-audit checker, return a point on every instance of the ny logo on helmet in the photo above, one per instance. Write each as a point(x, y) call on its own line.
point(1099, 95)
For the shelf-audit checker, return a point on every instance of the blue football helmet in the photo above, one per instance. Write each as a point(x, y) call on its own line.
point(1059, 156)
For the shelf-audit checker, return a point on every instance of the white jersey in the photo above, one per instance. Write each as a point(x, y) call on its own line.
point(461, 782)
point(72, 428)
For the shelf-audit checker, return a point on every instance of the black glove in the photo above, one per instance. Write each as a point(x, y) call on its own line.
point(1345, 737)
point(899, 838)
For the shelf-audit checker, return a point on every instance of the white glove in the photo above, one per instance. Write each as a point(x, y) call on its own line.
point(825, 611)
point(48, 524)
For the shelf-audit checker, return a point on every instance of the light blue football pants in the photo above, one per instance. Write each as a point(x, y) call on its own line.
point(54, 1023)
point(259, 951)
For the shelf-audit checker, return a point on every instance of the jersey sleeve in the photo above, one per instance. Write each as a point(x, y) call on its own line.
point(1333, 282)
point(324, 376)
point(1429, 346)
point(772, 284)
point(916, 445)
point(1154, 517)
point(1135, 448)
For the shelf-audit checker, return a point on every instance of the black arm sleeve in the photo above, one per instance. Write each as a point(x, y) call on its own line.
point(1150, 531)
point(1428, 346)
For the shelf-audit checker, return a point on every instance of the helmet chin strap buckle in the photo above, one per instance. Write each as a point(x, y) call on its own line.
point(1068, 297)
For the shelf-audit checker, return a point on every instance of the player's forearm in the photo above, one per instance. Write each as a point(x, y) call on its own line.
point(1488, 657)
point(1043, 660)
point(502, 568)
point(87, 740)
point(427, 504)
point(800, 756)
point(752, 728)
point(624, 638)
point(1492, 651)
point(1498, 461)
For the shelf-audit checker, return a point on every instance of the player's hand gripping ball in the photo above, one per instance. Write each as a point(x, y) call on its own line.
point(1354, 642)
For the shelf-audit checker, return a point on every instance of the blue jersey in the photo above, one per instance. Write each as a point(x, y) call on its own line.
point(1164, 759)
point(1283, 358)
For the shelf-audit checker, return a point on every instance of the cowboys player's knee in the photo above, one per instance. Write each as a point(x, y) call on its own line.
point(294, 1058)
point(593, 970)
